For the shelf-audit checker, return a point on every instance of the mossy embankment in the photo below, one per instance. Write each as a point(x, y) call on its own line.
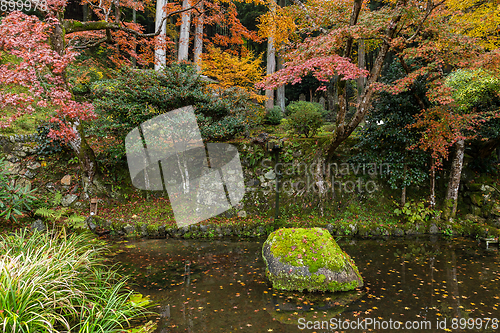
point(345, 209)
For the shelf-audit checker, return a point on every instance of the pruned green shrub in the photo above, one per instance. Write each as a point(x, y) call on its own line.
point(305, 122)
point(274, 116)
point(303, 105)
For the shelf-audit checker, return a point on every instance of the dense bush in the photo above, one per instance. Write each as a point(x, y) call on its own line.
point(274, 116)
point(60, 284)
point(135, 96)
point(305, 121)
point(303, 105)
point(48, 146)
point(385, 137)
point(14, 199)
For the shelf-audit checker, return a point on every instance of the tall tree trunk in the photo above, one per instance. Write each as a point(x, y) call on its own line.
point(271, 68)
point(134, 19)
point(85, 12)
point(198, 40)
point(160, 53)
point(403, 190)
point(85, 154)
point(432, 200)
point(450, 203)
point(184, 34)
point(344, 130)
point(280, 92)
point(361, 64)
point(79, 144)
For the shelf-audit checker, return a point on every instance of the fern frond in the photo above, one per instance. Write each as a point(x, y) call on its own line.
point(57, 199)
point(75, 219)
point(45, 212)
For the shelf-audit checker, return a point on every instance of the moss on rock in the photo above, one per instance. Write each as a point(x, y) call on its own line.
point(308, 259)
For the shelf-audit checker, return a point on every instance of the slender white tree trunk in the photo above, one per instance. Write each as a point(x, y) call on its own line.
point(280, 92)
point(271, 68)
point(361, 64)
point(184, 34)
point(198, 40)
point(160, 52)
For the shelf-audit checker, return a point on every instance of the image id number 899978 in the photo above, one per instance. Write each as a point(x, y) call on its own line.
point(12, 5)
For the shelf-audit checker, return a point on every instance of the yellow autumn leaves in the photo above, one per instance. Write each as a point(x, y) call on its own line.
point(233, 71)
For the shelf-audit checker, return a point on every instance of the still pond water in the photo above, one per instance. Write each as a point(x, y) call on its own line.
point(220, 286)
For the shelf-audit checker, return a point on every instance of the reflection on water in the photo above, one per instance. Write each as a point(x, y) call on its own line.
point(220, 286)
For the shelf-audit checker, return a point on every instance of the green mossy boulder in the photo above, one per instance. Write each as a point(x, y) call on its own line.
point(308, 259)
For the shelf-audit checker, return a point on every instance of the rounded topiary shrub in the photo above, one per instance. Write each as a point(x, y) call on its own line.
point(305, 122)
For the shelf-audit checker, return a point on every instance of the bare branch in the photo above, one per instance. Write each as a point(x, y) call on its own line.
point(71, 26)
point(86, 46)
point(430, 8)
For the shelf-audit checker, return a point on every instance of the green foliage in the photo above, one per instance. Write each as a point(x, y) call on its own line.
point(477, 91)
point(60, 283)
point(385, 138)
point(274, 116)
point(57, 199)
point(305, 121)
point(253, 155)
point(303, 105)
point(48, 146)
point(55, 215)
point(74, 160)
point(14, 199)
point(135, 96)
point(415, 211)
point(474, 89)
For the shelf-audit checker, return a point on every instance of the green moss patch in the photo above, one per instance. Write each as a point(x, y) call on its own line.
point(311, 247)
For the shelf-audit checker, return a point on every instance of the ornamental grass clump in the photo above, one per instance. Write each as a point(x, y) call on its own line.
point(59, 283)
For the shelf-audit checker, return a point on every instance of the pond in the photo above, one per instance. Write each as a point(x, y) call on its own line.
point(220, 286)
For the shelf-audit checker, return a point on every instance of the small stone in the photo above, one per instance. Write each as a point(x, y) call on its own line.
point(20, 153)
point(398, 232)
point(144, 231)
point(33, 165)
point(50, 187)
point(13, 168)
point(203, 228)
point(89, 221)
point(78, 204)
point(68, 199)
point(12, 158)
point(270, 175)
point(30, 174)
point(433, 229)
point(39, 226)
point(128, 229)
point(242, 213)
point(66, 180)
